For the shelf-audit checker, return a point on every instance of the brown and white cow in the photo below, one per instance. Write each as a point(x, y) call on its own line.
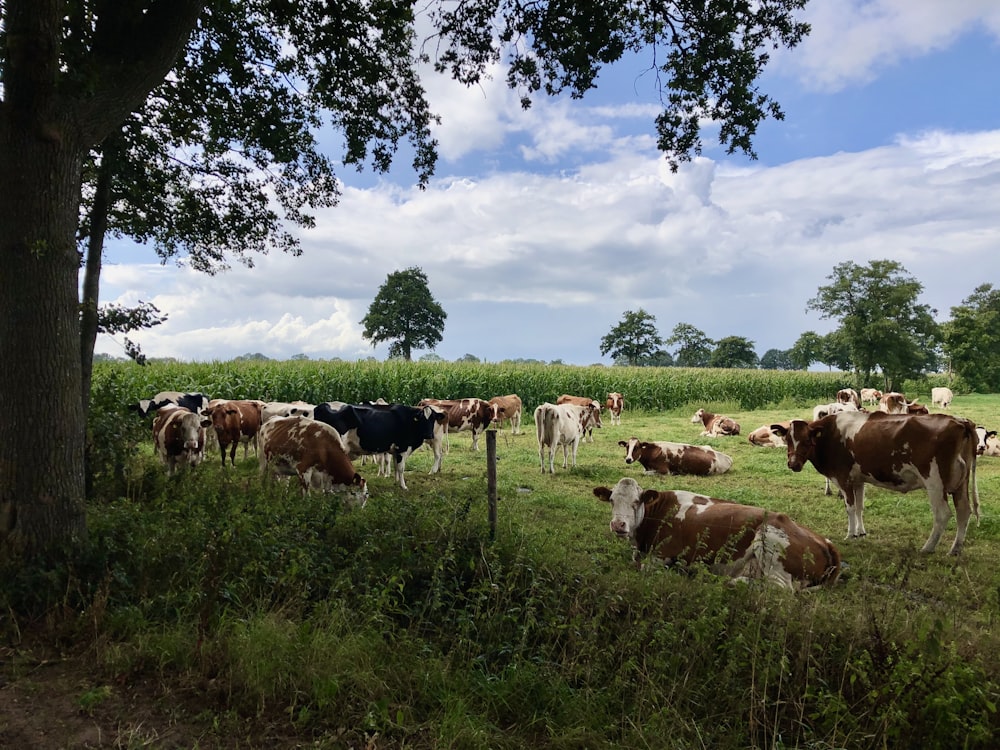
point(234, 421)
point(870, 396)
point(986, 442)
point(562, 424)
point(893, 403)
point(715, 424)
point(849, 396)
point(272, 409)
point(508, 407)
point(178, 437)
point(615, 404)
point(765, 437)
point(739, 541)
point(896, 452)
point(473, 414)
point(822, 410)
point(942, 397)
point(676, 458)
point(595, 421)
point(312, 451)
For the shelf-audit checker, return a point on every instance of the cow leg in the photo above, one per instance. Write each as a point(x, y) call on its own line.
point(475, 439)
point(854, 499)
point(399, 463)
point(942, 513)
point(437, 450)
point(963, 512)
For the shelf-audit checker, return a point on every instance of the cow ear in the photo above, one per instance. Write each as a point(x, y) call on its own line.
point(648, 496)
point(779, 430)
point(602, 493)
point(623, 444)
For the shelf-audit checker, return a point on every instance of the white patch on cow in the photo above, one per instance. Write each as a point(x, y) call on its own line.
point(688, 500)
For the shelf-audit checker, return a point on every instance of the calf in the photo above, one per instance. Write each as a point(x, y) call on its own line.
point(562, 424)
point(234, 422)
point(178, 437)
point(312, 451)
point(676, 458)
point(590, 403)
point(765, 437)
point(739, 541)
point(508, 407)
point(615, 405)
point(896, 452)
point(714, 424)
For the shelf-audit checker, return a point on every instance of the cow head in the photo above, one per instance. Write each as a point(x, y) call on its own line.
point(698, 417)
point(982, 438)
point(628, 506)
point(631, 449)
point(800, 437)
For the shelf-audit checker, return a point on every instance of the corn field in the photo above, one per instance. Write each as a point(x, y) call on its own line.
point(398, 381)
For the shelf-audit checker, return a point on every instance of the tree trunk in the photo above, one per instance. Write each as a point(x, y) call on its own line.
point(42, 429)
point(91, 288)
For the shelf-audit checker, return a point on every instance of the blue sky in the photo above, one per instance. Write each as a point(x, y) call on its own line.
point(541, 228)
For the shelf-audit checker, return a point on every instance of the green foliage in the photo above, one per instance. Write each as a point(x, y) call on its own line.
point(405, 313)
point(778, 359)
point(972, 339)
point(634, 339)
point(734, 352)
point(881, 324)
point(694, 348)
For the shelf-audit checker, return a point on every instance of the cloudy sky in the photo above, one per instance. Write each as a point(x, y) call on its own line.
point(541, 228)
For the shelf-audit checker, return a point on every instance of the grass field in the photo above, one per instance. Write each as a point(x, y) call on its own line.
point(296, 623)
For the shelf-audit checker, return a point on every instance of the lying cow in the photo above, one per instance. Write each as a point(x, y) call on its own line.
point(676, 458)
point(565, 425)
point(590, 403)
point(896, 452)
point(178, 437)
point(312, 451)
point(715, 424)
point(615, 404)
point(765, 437)
point(986, 442)
point(735, 540)
point(508, 407)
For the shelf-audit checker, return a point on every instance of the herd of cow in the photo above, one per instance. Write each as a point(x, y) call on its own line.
point(898, 446)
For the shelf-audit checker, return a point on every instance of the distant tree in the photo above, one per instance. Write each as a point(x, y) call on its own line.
point(778, 359)
point(835, 351)
point(252, 357)
point(633, 339)
point(659, 358)
point(299, 357)
point(972, 339)
point(694, 348)
point(431, 357)
point(734, 352)
point(405, 314)
point(881, 324)
point(807, 349)
point(468, 358)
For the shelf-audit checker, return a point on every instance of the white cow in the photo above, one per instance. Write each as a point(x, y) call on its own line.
point(565, 425)
point(942, 397)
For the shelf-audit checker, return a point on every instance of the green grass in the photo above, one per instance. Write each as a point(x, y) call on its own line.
point(405, 625)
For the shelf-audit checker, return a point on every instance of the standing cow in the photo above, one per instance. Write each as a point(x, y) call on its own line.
point(735, 540)
point(565, 425)
point(508, 407)
point(896, 452)
point(178, 437)
point(234, 422)
point(593, 404)
point(615, 404)
point(942, 397)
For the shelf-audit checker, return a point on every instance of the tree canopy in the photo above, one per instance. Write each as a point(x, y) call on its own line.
point(882, 326)
point(405, 314)
point(735, 352)
point(694, 348)
point(634, 339)
point(972, 339)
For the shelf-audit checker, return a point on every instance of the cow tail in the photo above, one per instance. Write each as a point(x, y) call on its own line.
point(971, 441)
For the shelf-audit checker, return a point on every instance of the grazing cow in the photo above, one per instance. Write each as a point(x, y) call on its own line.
point(392, 428)
point(986, 442)
point(676, 458)
point(765, 437)
point(870, 396)
point(893, 403)
point(472, 414)
point(312, 451)
point(849, 396)
point(234, 421)
point(590, 403)
point(822, 410)
point(739, 541)
point(562, 424)
point(897, 452)
point(942, 397)
point(273, 409)
point(191, 401)
point(178, 437)
point(615, 404)
point(715, 424)
point(508, 407)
